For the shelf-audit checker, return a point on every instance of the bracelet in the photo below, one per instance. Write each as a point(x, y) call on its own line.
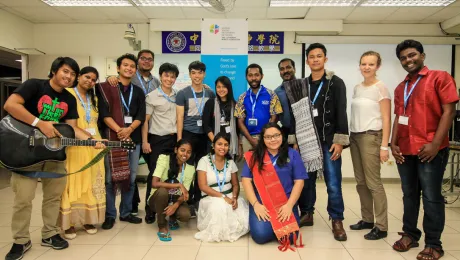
point(35, 122)
point(384, 148)
point(131, 127)
point(254, 203)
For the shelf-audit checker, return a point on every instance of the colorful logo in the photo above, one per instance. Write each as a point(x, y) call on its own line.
point(214, 28)
point(176, 42)
point(51, 110)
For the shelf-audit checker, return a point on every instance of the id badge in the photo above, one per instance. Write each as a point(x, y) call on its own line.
point(227, 129)
point(128, 120)
point(222, 120)
point(315, 112)
point(92, 131)
point(252, 122)
point(199, 122)
point(403, 120)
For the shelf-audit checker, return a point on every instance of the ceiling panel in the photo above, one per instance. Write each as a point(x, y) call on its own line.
point(163, 12)
point(456, 3)
point(370, 13)
point(286, 12)
point(252, 3)
point(123, 13)
point(250, 13)
point(444, 14)
point(23, 3)
point(41, 13)
point(198, 13)
point(327, 13)
point(83, 13)
point(413, 13)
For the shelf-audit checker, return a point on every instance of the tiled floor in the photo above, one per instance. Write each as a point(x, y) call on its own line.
point(140, 241)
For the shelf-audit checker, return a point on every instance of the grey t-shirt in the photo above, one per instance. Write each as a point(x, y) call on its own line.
point(191, 116)
point(146, 86)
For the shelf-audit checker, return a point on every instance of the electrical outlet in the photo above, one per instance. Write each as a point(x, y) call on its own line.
point(390, 163)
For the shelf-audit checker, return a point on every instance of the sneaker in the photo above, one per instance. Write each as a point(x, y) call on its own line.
point(131, 219)
point(70, 233)
point(17, 251)
point(108, 223)
point(56, 242)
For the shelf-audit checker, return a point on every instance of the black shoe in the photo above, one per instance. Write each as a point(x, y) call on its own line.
point(135, 211)
point(108, 223)
point(150, 219)
point(56, 242)
point(131, 219)
point(375, 234)
point(362, 225)
point(17, 251)
point(192, 211)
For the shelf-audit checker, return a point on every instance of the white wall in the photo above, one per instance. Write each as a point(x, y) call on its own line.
point(99, 41)
point(15, 32)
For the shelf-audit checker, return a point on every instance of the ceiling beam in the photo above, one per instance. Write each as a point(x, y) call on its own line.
point(451, 23)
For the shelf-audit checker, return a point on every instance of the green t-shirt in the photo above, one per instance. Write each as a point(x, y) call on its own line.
point(162, 168)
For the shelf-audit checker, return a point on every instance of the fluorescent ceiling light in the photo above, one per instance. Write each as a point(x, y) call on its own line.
point(19, 60)
point(407, 2)
point(292, 3)
point(188, 3)
point(87, 2)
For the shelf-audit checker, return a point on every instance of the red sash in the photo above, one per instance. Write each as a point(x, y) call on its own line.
point(273, 197)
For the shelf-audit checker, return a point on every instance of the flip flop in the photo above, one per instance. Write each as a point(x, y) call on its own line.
point(173, 225)
point(165, 237)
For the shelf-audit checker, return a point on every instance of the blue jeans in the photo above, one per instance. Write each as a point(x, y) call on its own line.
point(423, 178)
point(262, 232)
point(126, 204)
point(333, 177)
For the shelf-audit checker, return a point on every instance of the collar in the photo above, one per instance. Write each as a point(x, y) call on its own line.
point(173, 92)
point(123, 87)
point(142, 77)
point(423, 72)
point(261, 90)
point(310, 79)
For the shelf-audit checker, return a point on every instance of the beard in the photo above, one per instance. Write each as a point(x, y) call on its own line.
point(254, 81)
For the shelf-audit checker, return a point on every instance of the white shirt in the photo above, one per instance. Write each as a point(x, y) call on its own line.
point(365, 107)
point(205, 165)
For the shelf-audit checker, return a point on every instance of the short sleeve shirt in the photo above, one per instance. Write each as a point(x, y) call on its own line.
point(162, 113)
point(205, 164)
point(191, 106)
point(267, 105)
point(162, 168)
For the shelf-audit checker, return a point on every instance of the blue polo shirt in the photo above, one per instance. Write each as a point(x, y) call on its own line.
point(267, 104)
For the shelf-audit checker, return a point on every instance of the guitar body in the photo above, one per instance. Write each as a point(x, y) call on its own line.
point(22, 145)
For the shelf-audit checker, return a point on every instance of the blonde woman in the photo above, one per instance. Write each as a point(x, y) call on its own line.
point(370, 132)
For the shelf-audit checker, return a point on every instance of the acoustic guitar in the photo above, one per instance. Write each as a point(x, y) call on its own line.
point(22, 145)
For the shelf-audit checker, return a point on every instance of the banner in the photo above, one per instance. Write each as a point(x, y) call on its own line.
point(181, 42)
point(224, 50)
point(190, 42)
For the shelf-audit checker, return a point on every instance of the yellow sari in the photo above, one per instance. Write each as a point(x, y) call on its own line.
point(83, 201)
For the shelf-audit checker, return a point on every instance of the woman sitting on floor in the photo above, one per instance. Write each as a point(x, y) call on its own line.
point(171, 181)
point(222, 216)
point(273, 177)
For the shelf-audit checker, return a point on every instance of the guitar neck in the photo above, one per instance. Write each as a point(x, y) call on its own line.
point(77, 142)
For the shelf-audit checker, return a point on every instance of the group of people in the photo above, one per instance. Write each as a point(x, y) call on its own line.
point(192, 138)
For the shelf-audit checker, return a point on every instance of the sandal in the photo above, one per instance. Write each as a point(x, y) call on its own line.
point(173, 225)
point(428, 253)
point(165, 237)
point(401, 247)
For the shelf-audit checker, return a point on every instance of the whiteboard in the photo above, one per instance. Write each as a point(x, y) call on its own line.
point(269, 64)
point(344, 61)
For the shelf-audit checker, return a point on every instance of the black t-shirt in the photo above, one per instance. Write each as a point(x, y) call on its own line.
point(42, 101)
point(319, 104)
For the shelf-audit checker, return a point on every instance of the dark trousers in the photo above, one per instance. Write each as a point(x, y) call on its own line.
point(424, 179)
point(200, 146)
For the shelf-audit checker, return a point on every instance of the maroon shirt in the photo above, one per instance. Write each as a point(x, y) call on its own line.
point(424, 108)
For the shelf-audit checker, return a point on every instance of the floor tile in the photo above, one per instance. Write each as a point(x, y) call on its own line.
point(33, 253)
point(102, 237)
point(74, 252)
point(179, 237)
point(173, 252)
point(223, 253)
point(455, 254)
point(412, 254)
point(374, 254)
point(135, 236)
point(323, 253)
point(270, 251)
point(356, 241)
point(242, 241)
point(320, 239)
point(121, 252)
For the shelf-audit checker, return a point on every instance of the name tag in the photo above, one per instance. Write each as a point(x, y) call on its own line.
point(92, 131)
point(403, 120)
point(128, 120)
point(315, 112)
point(199, 122)
point(227, 129)
point(252, 122)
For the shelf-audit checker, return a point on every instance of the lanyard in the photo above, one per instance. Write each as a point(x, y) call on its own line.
point(220, 184)
point(407, 95)
point(141, 80)
point(181, 180)
point(317, 92)
point(253, 103)
point(275, 158)
point(165, 96)
point(129, 101)
point(201, 105)
point(173, 191)
point(87, 107)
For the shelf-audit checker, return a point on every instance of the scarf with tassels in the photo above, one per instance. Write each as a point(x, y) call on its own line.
point(273, 197)
point(307, 137)
point(233, 149)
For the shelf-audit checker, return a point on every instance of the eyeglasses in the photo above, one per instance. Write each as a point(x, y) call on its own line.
point(272, 137)
point(146, 59)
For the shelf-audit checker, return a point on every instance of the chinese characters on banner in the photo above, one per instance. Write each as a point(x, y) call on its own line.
point(190, 42)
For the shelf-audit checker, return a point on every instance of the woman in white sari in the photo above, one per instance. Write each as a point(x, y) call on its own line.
point(222, 216)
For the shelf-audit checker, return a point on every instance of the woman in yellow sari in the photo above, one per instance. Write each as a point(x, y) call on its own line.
point(83, 201)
